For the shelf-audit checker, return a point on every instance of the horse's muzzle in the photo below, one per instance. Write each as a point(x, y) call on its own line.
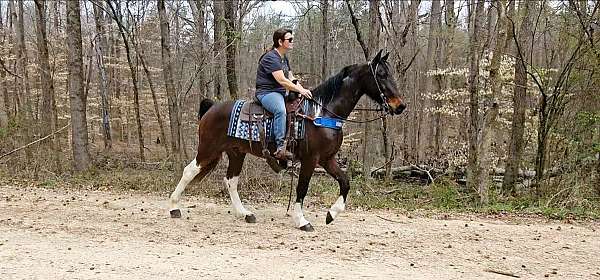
point(398, 110)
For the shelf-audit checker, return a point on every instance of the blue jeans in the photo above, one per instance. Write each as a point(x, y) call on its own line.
point(275, 103)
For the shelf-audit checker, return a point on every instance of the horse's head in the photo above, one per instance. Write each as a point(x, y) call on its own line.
point(381, 86)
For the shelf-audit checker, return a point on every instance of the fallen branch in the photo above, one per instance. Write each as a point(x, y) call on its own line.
point(390, 220)
point(392, 191)
point(503, 273)
point(34, 142)
point(428, 172)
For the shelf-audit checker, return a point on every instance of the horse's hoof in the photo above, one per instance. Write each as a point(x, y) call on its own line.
point(175, 213)
point(329, 218)
point(308, 228)
point(251, 219)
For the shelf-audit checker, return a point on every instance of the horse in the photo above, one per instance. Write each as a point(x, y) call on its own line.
point(334, 98)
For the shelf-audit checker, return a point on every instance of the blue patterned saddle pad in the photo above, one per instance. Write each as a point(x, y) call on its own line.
point(241, 128)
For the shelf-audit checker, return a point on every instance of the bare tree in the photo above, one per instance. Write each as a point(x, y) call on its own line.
point(516, 144)
point(359, 38)
point(432, 61)
point(325, 36)
point(168, 76)
point(231, 40)
point(22, 62)
point(218, 46)
point(140, 52)
point(373, 45)
point(474, 56)
point(3, 83)
point(77, 96)
point(116, 14)
point(198, 8)
point(101, 46)
point(498, 39)
point(49, 120)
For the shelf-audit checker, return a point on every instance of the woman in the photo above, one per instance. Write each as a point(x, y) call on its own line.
point(273, 78)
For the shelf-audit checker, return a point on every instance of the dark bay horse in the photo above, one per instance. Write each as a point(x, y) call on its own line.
point(336, 98)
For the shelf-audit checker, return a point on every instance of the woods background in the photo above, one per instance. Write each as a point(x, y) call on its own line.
point(503, 102)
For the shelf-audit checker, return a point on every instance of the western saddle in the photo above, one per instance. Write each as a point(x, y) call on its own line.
point(253, 112)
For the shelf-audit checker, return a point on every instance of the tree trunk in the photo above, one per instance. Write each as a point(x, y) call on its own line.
point(432, 62)
point(5, 95)
point(359, 38)
point(16, 102)
point(497, 39)
point(324, 37)
point(516, 144)
point(140, 52)
point(231, 40)
point(411, 79)
point(48, 100)
point(200, 18)
point(22, 62)
point(366, 131)
point(101, 47)
point(168, 76)
point(451, 22)
point(115, 83)
point(474, 161)
point(133, 71)
point(369, 150)
point(510, 13)
point(218, 15)
point(77, 97)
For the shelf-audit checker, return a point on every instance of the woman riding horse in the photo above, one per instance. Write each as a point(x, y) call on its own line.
point(333, 100)
point(273, 78)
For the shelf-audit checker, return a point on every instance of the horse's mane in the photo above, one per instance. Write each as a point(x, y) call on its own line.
point(328, 89)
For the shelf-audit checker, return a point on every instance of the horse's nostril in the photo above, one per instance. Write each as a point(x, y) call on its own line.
point(400, 109)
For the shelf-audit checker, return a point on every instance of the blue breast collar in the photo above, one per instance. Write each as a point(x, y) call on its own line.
point(333, 123)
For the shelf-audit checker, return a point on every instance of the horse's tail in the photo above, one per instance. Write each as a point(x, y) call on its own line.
point(205, 104)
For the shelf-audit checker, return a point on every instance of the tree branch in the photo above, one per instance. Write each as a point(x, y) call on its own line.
point(34, 142)
point(357, 30)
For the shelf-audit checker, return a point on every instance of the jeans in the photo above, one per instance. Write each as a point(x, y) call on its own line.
point(275, 103)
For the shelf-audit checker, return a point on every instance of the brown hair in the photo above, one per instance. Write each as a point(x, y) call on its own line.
point(279, 34)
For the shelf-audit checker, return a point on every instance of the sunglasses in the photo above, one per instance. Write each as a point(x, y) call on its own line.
point(289, 39)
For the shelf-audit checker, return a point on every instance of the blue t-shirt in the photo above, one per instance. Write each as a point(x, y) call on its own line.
point(269, 63)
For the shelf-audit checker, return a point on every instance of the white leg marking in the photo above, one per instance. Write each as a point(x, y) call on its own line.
point(298, 216)
point(338, 207)
point(236, 203)
point(190, 171)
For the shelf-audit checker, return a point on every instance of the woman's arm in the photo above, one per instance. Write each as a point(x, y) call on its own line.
point(287, 83)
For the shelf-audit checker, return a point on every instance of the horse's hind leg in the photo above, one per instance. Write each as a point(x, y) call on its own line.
point(190, 171)
point(236, 161)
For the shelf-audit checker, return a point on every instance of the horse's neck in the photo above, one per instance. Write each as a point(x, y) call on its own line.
point(344, 101)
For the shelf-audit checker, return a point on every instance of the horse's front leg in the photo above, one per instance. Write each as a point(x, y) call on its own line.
point(306, 170)
point(332, 167)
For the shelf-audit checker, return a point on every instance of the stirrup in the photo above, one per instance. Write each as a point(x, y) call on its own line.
point(283, 154)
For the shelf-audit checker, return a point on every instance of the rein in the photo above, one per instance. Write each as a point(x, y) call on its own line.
point(349, 120)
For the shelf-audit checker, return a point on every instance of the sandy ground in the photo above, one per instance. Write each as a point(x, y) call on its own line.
point(67, 234)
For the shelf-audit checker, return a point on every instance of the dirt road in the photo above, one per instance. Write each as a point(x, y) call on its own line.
point(67, 234)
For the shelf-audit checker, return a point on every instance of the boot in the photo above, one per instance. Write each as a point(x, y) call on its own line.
point(283, 154)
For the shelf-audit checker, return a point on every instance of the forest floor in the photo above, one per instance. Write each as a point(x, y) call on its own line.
point(64, 233)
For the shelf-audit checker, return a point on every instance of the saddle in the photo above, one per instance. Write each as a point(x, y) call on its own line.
point(254, 112)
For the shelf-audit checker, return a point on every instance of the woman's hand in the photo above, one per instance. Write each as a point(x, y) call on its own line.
point(306, 93)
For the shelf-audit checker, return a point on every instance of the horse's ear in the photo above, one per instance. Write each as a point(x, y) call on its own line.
point(377, 58)
point(385, 57)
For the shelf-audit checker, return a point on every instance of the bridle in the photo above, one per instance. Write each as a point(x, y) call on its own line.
point(385, 105)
